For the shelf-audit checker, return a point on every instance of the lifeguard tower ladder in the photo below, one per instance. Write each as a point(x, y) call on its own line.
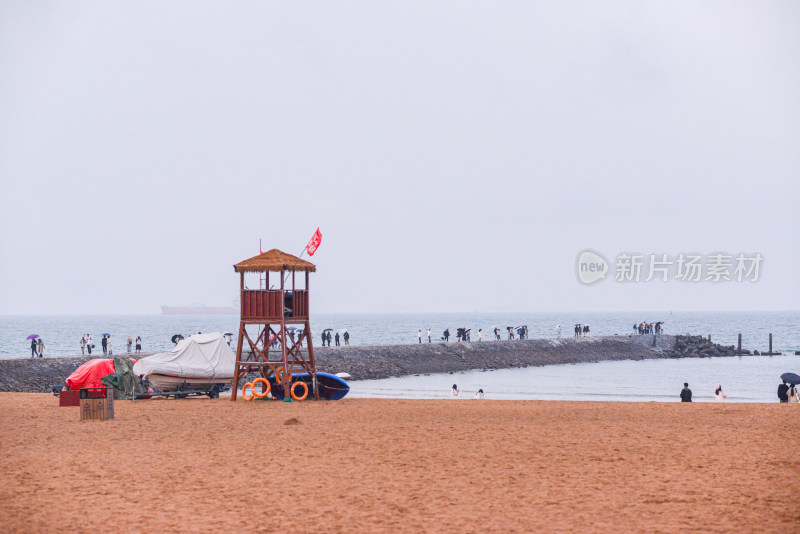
point(274, 324)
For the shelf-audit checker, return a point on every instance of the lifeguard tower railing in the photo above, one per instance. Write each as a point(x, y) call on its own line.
point(267, 304)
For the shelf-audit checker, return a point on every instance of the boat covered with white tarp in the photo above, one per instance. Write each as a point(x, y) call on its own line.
point(200, 362)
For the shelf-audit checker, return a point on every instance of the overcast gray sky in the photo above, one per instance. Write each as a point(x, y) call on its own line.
point(456, 155)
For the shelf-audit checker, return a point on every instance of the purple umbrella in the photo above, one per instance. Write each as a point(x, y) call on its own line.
point(32, 336)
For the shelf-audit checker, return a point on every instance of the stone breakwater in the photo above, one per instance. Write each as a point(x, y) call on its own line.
point(384, 361)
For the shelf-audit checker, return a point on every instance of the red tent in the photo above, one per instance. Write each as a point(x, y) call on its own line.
point(89, 374)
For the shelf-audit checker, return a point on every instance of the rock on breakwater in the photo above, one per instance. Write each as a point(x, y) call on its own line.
point(384, 361)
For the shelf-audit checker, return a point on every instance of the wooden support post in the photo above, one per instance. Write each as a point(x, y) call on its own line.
point(284, 356)
point(770, 344)
point(739, 347)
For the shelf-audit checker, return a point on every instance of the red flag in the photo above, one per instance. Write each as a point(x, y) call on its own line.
point(313, 245)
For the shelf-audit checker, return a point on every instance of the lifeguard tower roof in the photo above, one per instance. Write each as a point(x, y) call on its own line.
point(274, 260)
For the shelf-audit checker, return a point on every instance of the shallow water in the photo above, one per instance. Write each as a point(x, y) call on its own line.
point(743, 378)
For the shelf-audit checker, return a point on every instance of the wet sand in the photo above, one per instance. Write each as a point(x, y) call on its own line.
point(400, 465)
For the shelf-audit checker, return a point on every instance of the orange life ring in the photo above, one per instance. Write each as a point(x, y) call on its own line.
point(305, 391)
point(244, 388)
point(256, 393)
point(282, 374)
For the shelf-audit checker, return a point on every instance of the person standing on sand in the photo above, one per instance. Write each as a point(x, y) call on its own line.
point(337, 339)
point(40, 347)
point(686, 393)
point(347, 338)
point(454, 391)
point(104, 344)
point(109, 347)
point(480, 335)
point(783, 392)
point(83, 346)
point(130, 342)
point(89, 345)
point(446, 335)
point(138, 344)
point(794, 396)
point(324, 339)
point(719, 395)
point(419, 335)
point(329, 339)
point(558, 331)
point(429, 335)
point(33, 348)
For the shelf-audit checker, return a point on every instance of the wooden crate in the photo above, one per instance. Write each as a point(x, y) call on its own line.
point(97, 404)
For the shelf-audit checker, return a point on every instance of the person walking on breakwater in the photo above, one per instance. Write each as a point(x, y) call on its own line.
point(89, 345)
point(419, 335)
point(347, 338)
point(130, 342)
point(138, 344)
point(783, 392)
point(719, 395)
point(109, 347)
point(104, 344)
point(496, 334)
point(429, 335)
point(558, 331)
point(83, 346)
point(479, 394)
point(454, 391)
point(337, 339)
point(40, 347)
point(446, 335)
point(480, 334)
point(324, 339)
point(686, 393)
point(33, 348)
point(329, 339)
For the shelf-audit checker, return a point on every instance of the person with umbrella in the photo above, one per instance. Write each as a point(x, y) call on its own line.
point(783, 391)
point(34, 346)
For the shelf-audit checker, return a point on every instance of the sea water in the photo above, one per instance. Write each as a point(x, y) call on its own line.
point(743, 379)
point(62, 334)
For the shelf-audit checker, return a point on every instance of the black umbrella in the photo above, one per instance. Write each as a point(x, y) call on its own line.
point(791, 378)
point(227, 334)
point(328, 330)
point(176, 338)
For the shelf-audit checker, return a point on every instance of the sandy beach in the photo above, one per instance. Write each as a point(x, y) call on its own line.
point(400, 465)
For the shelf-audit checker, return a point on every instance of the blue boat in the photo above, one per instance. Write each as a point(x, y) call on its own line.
point(330, 387)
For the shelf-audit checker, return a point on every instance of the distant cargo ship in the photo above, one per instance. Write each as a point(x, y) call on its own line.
point(199, 309)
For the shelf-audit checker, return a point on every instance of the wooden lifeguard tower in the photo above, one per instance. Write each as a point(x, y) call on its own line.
point(270, 316)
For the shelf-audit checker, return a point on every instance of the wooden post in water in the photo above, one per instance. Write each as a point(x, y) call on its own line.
point(770, 343)
point(739, 350)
